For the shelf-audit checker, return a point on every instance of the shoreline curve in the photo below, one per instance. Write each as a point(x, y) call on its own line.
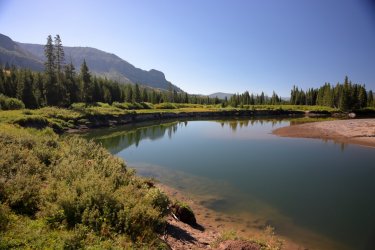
point(353, 131)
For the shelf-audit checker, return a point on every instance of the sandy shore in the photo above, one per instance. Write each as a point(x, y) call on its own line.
point(358, 131)
point(212, 225)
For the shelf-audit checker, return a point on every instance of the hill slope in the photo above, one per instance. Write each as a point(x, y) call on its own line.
point(12, 53)
point(220, 95)
point(99, 62)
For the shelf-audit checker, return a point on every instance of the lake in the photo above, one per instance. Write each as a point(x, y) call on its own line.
point(309, 190)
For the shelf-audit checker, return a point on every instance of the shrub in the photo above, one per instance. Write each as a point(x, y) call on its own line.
point(165, 105)
point(134, 105)
point(79, 106)
point(75, 186)
point(147, 105)
point(7, 103)
point(4, 217)
point(32, 121)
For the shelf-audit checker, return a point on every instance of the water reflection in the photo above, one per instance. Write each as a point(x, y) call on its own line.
point(119, 138)
point(289, 182)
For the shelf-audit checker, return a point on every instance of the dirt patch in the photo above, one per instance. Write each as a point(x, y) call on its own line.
point(358, 131)
point(238, 245)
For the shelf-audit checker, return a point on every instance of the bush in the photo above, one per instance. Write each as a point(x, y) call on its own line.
point(74, 185)
point(32, 121)
point(165, 105)
point(131, 106)
point(7, 103)
point(147, 105)
point(4, 217)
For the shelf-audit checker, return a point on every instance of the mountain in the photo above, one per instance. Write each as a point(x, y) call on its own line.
point(12, 53)
point(220, 95)
point(99, 62)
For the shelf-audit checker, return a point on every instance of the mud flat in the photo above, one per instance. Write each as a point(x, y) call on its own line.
point(354, 131)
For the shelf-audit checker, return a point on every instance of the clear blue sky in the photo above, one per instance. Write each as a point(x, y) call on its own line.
point(205, 46)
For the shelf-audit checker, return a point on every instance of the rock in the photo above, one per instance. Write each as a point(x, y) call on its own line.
point(352, 115)
point(184, 213)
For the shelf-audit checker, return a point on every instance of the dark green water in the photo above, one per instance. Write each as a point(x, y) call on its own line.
point(322, 187)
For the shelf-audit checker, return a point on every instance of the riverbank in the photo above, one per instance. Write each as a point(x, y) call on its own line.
point(216, 230)
point(354, 131)
point(221, 231)
point(80, 117)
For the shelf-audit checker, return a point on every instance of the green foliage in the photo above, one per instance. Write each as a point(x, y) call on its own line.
point(75, 188)
point(4, 217)
point(134, 105)
point(7, 103)
point(346, 96)
point(165, 105)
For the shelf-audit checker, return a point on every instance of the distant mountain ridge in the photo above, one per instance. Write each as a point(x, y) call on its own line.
point(12, 53)
point(100, 63)
point(220, 95)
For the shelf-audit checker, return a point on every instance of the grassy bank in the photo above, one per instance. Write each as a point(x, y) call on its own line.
point(99, 114)
point(66, 192)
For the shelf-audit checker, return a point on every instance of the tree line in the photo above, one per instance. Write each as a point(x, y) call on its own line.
point(251, 99)
point(344, 96)
point(62, 85)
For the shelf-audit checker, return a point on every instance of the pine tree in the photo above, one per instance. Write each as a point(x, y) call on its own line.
point(50, 58)
point(370, 99)
point(344, 103)
point(145, 95)
point(53, 95)
point(28, 94)
point(59, 55)
point(85, 77)
point(73, 86)
point(137, 93)
point(40, 92)
point(362, 97)
point(2, 80)
point(129, 94)
point(97, 92)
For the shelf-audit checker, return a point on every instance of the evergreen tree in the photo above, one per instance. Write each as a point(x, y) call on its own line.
point(28, 94)
point(145, 95)
point(129, 94)
point(137, 93)
point(362, 97)
point(59, 54)
point(50, 57)
point(40, 90)
point(53, 94)
point(85, 77)
point(344, 103)
point(2, 79)
point(370, 99)
point(72, 85)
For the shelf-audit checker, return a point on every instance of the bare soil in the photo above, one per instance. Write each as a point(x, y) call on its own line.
point(355, 131)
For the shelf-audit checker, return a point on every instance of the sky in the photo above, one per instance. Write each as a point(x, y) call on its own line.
point(207, 46)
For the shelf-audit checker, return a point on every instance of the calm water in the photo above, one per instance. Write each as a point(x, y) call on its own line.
point(295, 185)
